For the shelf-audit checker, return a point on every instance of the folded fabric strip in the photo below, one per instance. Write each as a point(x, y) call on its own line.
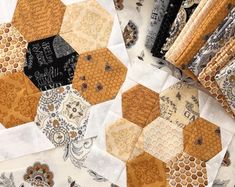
point(158, 13)
point(186, 10)
point(207, 76)
point(197, 32)
point(223, 33)
point(170, 15)
point(226, 82)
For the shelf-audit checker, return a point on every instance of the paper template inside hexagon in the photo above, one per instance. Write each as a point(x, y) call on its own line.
point(86, 26)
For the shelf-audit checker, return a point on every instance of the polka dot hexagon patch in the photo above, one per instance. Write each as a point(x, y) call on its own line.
point(13, 49)
point(99, 75)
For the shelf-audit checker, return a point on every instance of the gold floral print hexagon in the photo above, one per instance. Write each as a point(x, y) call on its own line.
point(62, 115)
point(186, 170)
point(146, 170)
point(202, 139)
point(18, 99)
point(86, 26)
point(140, 105)
point(121, 137)
point(162, 139)
point(13, 49)
point(38, 19)
point(99, 75)
point(179, 104)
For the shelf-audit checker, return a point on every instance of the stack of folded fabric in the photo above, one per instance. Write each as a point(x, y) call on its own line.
point(197, 37)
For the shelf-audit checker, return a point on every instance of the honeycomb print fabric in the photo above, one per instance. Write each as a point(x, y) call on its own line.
point(13, 49)
point(160, 136)
point(207, 76)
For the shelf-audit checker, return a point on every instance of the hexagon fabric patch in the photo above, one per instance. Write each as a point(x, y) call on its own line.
point(202, 139)
point(50, 63)
point(186, 171)
point(145, 170)
point(179, 104)
point(162, 139)
point(13, 48)
point(18, 100)
point(62, 115)
point(86, 26)
point(121, 137)
point(140, 105)
point(99, 75)
point(38, 19)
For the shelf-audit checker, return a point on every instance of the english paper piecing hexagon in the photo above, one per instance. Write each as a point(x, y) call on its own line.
point(162, 139)
point(86, 26)
point(50, 62)
point(186, 171)
point(202, 139)
point(146, 170)
point(38, 19)
point(62, 115)
point(13, 48)
point(179, 104)
point(121, 137)
point(18, 99)
point(99, 75)
point(140, 105)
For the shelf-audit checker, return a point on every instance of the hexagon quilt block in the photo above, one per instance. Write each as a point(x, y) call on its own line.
point(121, 137)
point(99, 75)
point(162, 139)
point(50, 62)
point(202, 139)
point(186, 171)
point(18, 100)
point(38, 19)
point(62, 115)
point(13, 49)
point(179, 104)
point(86, 26)
point(145, 170)
point(140, 105)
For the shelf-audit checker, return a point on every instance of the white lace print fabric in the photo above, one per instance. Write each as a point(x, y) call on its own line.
point(226, 82)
